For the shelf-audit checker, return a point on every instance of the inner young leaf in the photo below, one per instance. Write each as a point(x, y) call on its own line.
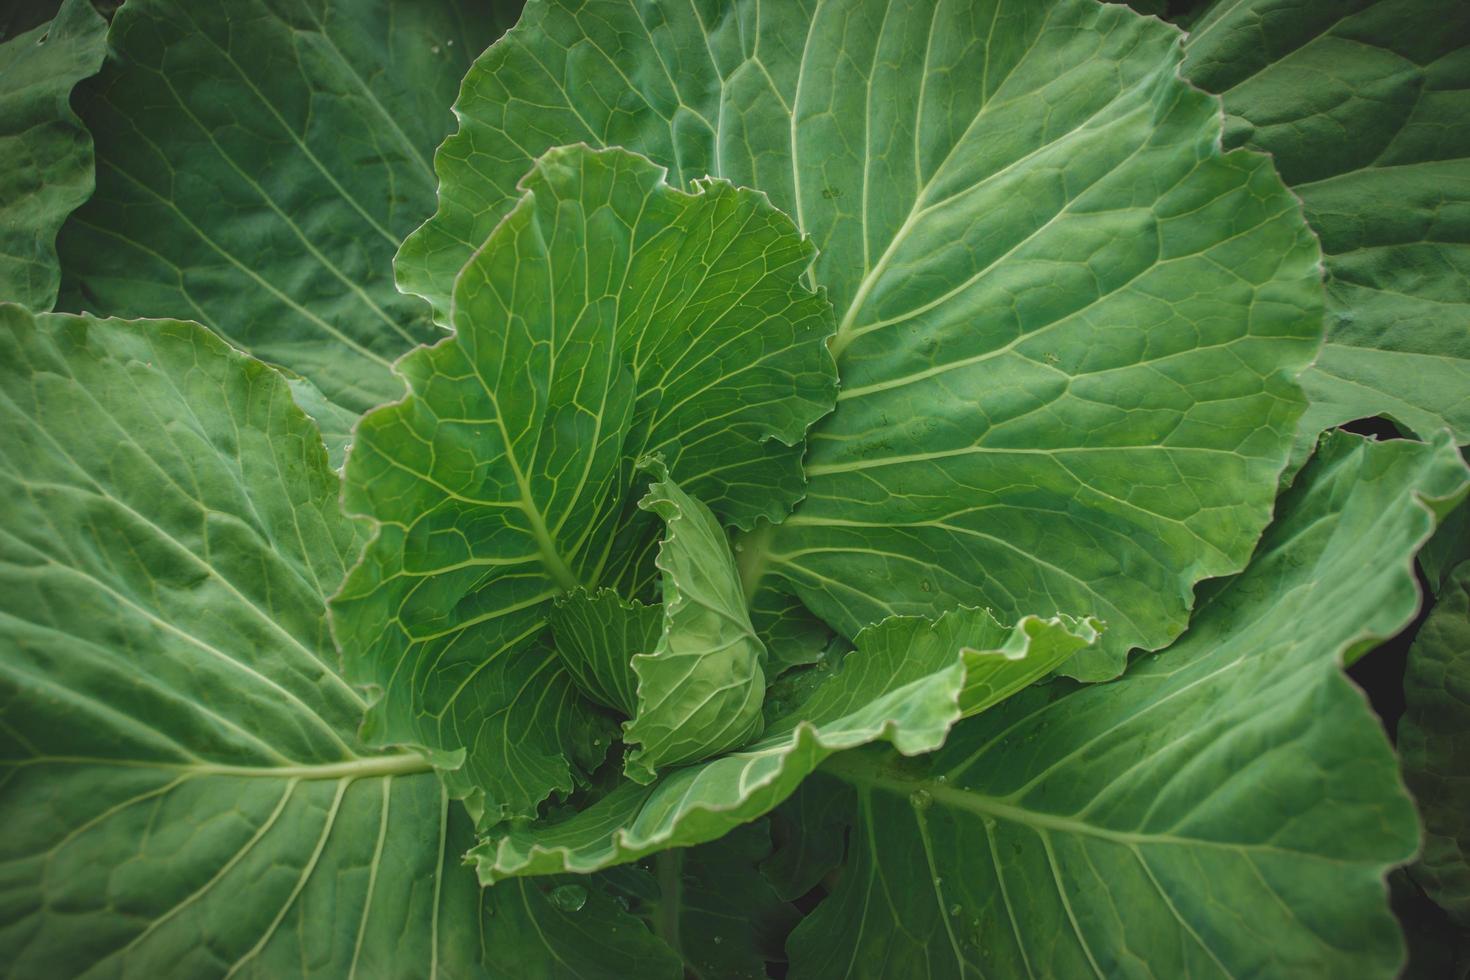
point(700, 690)
point(607, 317)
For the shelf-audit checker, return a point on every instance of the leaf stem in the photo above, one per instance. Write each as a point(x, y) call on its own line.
point(670, 868)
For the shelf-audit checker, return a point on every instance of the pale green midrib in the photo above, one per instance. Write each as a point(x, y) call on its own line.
point(551, 558)
point(397, 764)
point(859, 772)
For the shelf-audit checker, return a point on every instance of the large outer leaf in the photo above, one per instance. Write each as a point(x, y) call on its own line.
point(182, 789)
point(258, 163)
point(608, 315)
point(1228, 808)
point(1365, 106)
point(1434, 742)
point(701, 687)
point(906, 683)
point(1068, 324)
point(47, 151)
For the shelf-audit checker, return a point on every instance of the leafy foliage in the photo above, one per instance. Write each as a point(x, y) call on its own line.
point(790, 414)
point(1363, 105)
point(49, 151)
point(1054, 835)
point(1434, 741)
point(1000, 439)
point(176, 734)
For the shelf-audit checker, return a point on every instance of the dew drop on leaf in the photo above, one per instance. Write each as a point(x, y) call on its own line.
point(920, 799)
point(569, 898)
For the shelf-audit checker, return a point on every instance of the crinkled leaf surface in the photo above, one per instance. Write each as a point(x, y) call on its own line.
point(1228, 808)
point(903, 684)
point(596, 635)
point(700, 689)
point(1434, 743)
point(183, 790)
point(1365, 107)
point(46, 149)
point(609, 315)
point(258, 164)
point(1068, 325)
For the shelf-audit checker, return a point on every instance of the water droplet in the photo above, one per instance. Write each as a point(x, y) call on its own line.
point(920, 799)
point(449, 43)
point(569, 898)
point(941, 779)
point(938, 881)
point(955, 910)
point(719, 939)
point(434, 49)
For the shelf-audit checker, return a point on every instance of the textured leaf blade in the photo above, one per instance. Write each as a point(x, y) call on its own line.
point(700, 689)
point(1434, 743)
point(1067, 338)
point(258, 165)
point(48, 152)
point(903, 684)
point(176, 733)
point(608, 316)
point(597, 635)
point(1363, 105)
point(1080, 830)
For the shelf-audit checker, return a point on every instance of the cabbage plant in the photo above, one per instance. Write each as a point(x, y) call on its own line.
point(723, 488)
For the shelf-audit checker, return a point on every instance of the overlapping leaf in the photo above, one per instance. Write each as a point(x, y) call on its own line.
point(176, 737)
point(608, 315)
point(701, 687)
point(1068, 325)
point(597, 635)
point(47, 151)
point(908, 682)
point(1228, 808)
point(1365, 107)
point(258, 164)
point(1434, 742)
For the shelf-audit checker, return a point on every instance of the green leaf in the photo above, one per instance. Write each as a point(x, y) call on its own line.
point(184, 792)
point(608, 316)
point(596, 635)
point(700, 689)
point(1444, 552)
point(1068, 324)
point(1365, 106)
point(903, 684)
point(46, 149)
point(1434, 743)
point(1228, 808)
point(793, 636)
point(809, 830)
point(258, 164)
point(711, 904)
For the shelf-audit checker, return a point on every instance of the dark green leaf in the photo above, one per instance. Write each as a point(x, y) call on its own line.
point(1227, 809)
point(47, 152)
